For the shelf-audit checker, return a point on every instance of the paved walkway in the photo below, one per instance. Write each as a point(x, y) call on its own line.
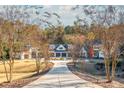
point(60, 77)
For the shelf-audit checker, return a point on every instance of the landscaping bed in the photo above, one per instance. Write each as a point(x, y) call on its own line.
point(94, 79)
point(24, 80)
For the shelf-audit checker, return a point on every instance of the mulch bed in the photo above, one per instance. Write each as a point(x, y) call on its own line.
point(93, 79)
point(24, 81)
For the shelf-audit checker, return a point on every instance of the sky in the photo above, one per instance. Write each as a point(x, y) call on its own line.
point(67, 15)
point(36, 12)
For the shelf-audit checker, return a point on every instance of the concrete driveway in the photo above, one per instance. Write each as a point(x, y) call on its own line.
point(60, 77)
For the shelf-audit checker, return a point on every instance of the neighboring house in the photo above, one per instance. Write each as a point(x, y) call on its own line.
point(98, 51)
point(27, 52)
point(83, 53)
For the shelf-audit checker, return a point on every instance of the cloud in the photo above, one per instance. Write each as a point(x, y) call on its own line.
point(47, 6)
point(65, 8)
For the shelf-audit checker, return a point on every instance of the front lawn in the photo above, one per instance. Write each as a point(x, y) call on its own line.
point(23, 69)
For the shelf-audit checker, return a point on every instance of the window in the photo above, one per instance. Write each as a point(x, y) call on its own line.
point(63, 54)
point(57, 54)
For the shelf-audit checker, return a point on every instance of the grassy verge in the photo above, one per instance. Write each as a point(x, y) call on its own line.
point(24, 73)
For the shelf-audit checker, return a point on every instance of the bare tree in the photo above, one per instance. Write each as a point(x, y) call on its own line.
point(11, 28)
point(76, 42)
point(2, 48)
point(110, 34)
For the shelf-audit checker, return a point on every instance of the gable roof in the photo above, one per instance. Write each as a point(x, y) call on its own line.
point(61, 47)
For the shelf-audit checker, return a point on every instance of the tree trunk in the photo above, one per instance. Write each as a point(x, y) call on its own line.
point(4, 62)
point(74, 62)
point(107, 66)
point(37, 67)
point(46, 60)
point(7, 78)
point(10, 77)
point(113, 70)
point(113, 74)
point(37, 64)
point(11, 70)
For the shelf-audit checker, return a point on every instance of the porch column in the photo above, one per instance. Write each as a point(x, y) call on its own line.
point(61, 54)
point(54, 54)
